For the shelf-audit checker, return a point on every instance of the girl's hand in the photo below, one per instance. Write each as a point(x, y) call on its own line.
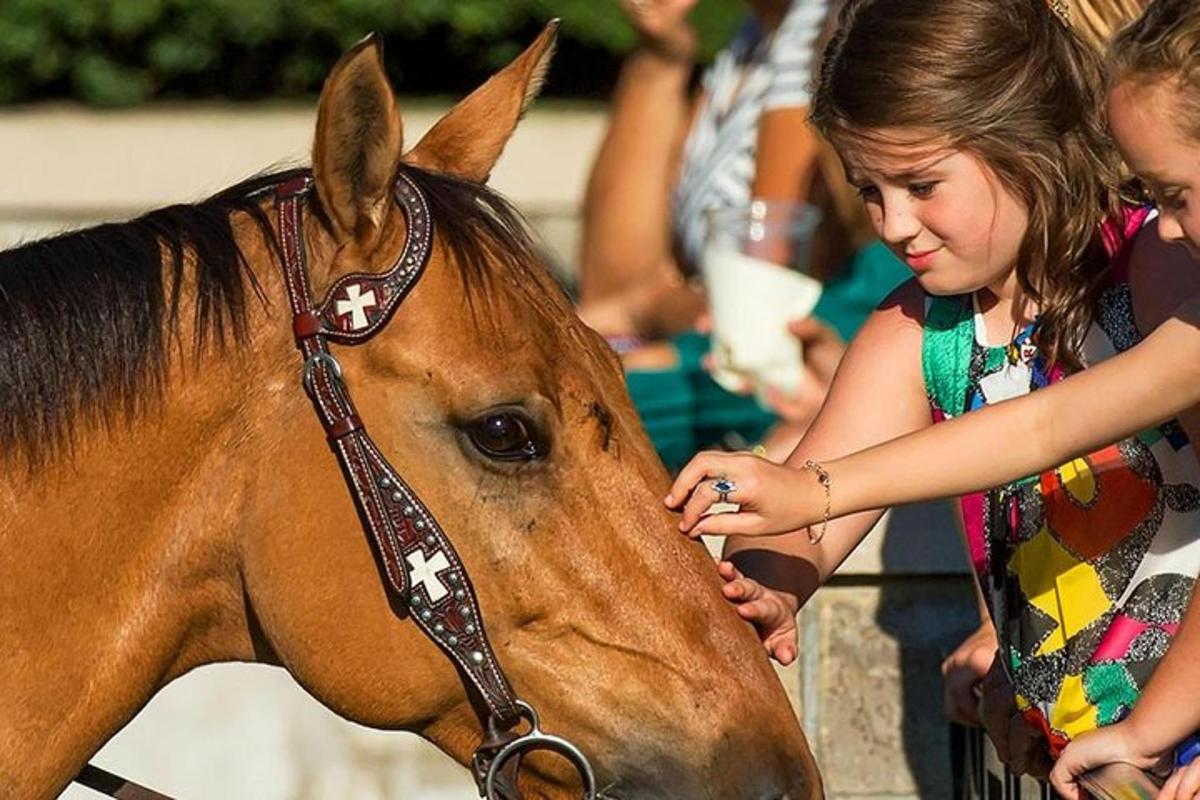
point(774, 498)
point(963, 672)
point(1020, 747)
point(1184, 783)
point(664, 27)
point(772, 613)
point(1094, 749)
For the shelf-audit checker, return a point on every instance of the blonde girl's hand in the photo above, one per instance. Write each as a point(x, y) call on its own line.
point(664, 27)
point(1184, 783)
point(771, 612)
point(772, 498)
point(1094, 749)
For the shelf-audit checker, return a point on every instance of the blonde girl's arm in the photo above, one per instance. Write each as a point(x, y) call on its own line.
point(1152, 382)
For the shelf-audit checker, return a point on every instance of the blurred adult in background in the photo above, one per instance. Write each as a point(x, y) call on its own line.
point(669, 156)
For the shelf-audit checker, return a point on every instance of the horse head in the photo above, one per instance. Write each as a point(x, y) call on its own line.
point(215, 525)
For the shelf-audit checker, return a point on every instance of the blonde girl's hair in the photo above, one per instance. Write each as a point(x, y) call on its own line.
point(1096, 21)
point(1007, 81)
point(1164, 45)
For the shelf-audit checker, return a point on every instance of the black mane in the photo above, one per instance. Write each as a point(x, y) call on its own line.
point(88, 318)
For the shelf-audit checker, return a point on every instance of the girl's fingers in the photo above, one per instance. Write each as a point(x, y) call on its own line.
point(1170, 789)
point(700, 467)
point(729, 524)
point(1066, 786)
point(701, 500)
point(743, 590)
point(784, 652)
point(760, 611)
point(1189, 782)
point(728, 571)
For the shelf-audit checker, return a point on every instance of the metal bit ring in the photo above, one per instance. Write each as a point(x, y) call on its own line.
point(536, 739)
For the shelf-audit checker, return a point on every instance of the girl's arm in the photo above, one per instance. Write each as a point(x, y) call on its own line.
point(1149, 383)
point(1152, 382)
point(787, 154)
point(787, 151)
point(626, 214)
point(1167, 712)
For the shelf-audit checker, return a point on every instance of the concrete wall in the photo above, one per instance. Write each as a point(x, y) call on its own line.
point(867, 687)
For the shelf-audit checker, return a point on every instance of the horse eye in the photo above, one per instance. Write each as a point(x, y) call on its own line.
point(507, 436)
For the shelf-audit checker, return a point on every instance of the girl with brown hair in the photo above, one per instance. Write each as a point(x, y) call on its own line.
point(975, 131)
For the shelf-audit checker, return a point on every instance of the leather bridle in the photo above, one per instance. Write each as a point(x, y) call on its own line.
point(420, 566)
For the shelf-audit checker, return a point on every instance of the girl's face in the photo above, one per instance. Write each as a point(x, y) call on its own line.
point(941, 210)
point(1145, 121)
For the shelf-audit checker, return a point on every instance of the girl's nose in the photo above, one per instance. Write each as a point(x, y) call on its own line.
point(899, 224)
point(1169, 229)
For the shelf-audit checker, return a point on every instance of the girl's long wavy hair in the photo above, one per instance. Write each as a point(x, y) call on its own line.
point(1009, 82)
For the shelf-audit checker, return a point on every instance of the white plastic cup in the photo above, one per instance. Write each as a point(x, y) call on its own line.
point(756, 268)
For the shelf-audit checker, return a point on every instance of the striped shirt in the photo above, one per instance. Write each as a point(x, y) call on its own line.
point(756, 73)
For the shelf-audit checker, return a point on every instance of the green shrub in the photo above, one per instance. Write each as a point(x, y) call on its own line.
point(123, 52)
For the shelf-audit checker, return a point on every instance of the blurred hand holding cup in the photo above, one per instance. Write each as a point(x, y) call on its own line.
point(757, 271)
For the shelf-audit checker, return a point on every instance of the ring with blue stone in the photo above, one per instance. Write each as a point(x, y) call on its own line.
point(723, 487)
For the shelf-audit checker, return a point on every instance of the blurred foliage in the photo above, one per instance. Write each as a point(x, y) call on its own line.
point(123, 52)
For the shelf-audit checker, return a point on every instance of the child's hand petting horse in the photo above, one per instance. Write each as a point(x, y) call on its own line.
point(772, 498)
point(772, 613)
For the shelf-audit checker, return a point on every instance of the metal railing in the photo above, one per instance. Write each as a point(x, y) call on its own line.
point(979, 774)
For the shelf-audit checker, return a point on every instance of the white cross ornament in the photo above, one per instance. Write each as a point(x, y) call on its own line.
point(356, 306)
point(422, 572)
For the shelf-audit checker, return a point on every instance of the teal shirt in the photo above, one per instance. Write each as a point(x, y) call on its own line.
point(685, 411)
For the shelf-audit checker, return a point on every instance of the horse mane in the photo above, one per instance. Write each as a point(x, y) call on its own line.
point(89, 317)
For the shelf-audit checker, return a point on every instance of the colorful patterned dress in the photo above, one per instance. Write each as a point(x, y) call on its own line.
point(1087, 569)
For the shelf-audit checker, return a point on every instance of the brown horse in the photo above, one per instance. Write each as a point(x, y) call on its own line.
point(168, 498)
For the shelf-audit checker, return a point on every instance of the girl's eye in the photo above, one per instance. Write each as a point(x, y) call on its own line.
point(922, 189)
point(867, 192)
point(1174, 201)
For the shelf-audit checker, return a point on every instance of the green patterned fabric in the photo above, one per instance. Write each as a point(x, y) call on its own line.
point(1114, 690)
point(946, 352)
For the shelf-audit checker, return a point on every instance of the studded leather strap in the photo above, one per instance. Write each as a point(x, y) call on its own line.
point(421, 565)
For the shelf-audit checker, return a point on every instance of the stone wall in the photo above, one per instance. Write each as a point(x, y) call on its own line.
point(867, 687)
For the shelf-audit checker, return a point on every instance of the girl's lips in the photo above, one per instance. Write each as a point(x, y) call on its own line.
point(922, 260)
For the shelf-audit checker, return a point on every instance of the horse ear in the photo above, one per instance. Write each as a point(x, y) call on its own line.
point(468, 141)
point(356, 151)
